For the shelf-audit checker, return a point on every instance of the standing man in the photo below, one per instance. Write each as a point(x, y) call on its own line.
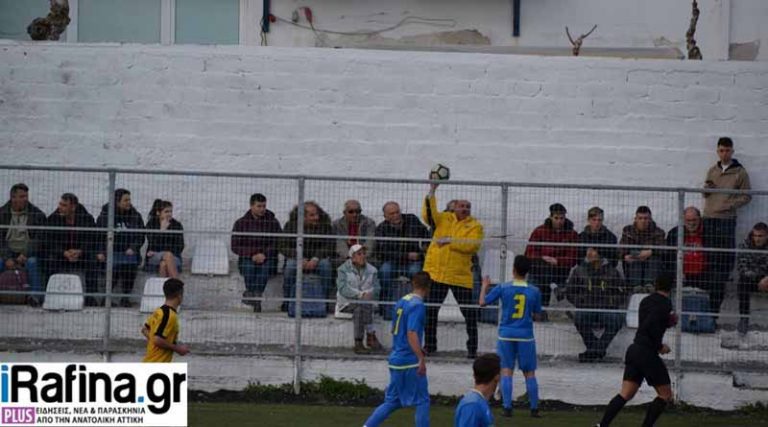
point(720, 209)
point(516, 344)
point(455, 241)
point(642, 361)
point(257, 255)
point(162, 327)
point(407, 369)
point(473, 409)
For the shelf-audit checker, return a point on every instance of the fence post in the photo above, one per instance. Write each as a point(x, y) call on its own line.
point(299, 281)
point(109, 266)
point(679, 294)
point(503, 244)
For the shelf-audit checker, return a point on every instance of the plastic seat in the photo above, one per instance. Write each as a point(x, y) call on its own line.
point(211, 258)
point(153, 296)
point(64, 293)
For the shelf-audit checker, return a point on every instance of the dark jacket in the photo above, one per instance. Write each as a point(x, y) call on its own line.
point(596, 288)
point(397, 252)
point(36, 218)
point(604, 236)
point(162, 242)
point(566, 257)
point(752, 267)
point(248, 246)
point(58, 241)
point(653, 236)
point(313, 247)
point(131, 220)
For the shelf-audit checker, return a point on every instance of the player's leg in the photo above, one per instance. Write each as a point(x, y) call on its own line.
point(527, 359)
point(633, 376)
point(507, 352)
point(391, 399)
point(658, 377)
point(422, 401)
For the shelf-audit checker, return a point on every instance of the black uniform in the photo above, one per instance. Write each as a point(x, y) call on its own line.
point(642, 360)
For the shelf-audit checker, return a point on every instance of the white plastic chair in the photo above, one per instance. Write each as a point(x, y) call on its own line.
point(153, 294)
point(633, 311)
point(59, 284)
point(211, 258)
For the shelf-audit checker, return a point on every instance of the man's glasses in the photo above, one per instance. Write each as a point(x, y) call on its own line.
point(354, 211)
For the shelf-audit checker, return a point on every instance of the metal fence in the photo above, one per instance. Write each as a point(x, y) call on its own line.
point(220, 315)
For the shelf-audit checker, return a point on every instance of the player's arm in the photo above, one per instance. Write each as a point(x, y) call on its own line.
point(488, 297)
point(163, 343)
point(413, 341)
point(145, 331)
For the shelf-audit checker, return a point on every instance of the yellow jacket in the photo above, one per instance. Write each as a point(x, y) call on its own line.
point(452, 263)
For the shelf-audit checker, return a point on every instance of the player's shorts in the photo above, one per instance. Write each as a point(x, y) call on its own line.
point(644, 363)
point(406, 387)
point(522, 352)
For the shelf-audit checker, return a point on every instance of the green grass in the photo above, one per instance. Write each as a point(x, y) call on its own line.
point(230, 414)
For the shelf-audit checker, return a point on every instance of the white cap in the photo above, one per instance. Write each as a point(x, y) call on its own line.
point(355, 248)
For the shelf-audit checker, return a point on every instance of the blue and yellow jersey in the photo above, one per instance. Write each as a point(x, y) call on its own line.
point(163, 322)
point(410, 315)
point(519, 302)
point(473, 411)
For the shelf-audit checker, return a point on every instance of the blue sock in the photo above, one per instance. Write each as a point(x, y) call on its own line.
point(533, 392)
point(382, 412)
point(422, 415)
point(506, 391)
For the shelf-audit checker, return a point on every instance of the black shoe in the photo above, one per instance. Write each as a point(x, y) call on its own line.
point(256, 306)
point(589, 357)
point(284, 307)
point(742, 327)
point(247, 294)
point(33, 301)
point(91, 302)
point(507, 412)
point(471, 354)
point(125, 303)
point(535, 413)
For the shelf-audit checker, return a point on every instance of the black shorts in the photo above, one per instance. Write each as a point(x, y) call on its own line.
point(642, 363)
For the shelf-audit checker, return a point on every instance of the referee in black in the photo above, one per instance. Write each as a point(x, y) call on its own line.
point(642, 360)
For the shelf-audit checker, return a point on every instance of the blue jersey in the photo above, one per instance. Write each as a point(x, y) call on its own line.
point(410, 314)
point(473, 411)
point(519, 303)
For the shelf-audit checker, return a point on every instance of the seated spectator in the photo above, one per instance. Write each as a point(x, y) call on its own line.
point(753, 271)
point(595, 283)
point(257, 255)
point(360, 227)
point(127, 243)
point(552, 264)
point(21, 246)
point(72, 251)
point(398, 258)
point(357, 280)
point(317, 251)
point(641, 266)
point(596, 232)
point(164, 249)
point(697, 265)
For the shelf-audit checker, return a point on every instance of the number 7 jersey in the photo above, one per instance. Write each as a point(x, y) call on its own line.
point(519, 302)
point(410, 315)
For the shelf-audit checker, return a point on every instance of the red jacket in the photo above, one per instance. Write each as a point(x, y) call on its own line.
point(566, 256)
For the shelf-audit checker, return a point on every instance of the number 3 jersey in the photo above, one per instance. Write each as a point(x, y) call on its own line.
point(519, 302)
point(410, 315)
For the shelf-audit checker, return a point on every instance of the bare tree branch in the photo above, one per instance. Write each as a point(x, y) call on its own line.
point(55, 23)
point(693, 51)
point(577, 44)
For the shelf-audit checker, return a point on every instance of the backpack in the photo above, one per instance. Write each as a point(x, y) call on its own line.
point(14, 281)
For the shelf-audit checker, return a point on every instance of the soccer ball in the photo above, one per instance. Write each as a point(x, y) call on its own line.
point(440, 172)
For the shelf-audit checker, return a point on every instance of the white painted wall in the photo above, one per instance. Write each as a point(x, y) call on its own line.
point(377, 114)
point(621, 23)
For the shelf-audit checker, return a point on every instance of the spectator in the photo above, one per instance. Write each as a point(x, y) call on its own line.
point(595, 283)
point(552, 264)
point(753, 271)
point(456, 239)
point(696, 264)
point(596, 232)
point(72, 250)
point(317, 250)
point(641, 266)
point(127, 243)
point(353, 223)
point(21, 246)
point(720, 209)
point(164, 249)
point(257, 255)
point(357, 280)
point(398, 257)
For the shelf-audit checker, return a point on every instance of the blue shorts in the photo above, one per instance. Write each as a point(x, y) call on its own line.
point(522, 352)
point(406, 388)
point(153, 263)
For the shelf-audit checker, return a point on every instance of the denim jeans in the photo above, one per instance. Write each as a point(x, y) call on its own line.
point(256, 275)
point(323, 269)
point(390, 271)
point(586, 321)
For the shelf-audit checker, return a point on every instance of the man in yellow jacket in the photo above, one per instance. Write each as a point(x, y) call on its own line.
point(456, 239)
